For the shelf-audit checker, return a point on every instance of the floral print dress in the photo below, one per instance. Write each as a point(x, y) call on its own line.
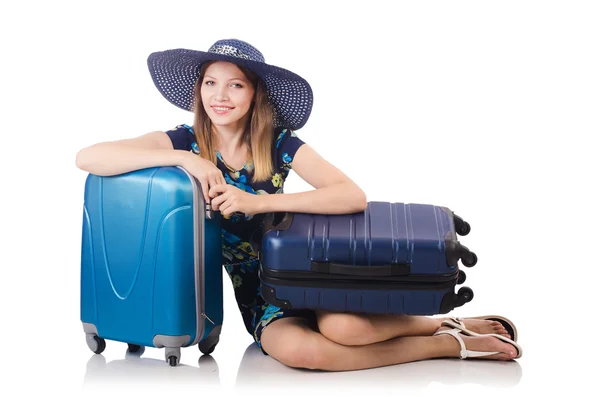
point(241, 234)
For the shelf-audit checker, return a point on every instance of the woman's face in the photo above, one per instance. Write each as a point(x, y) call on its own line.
point(226, 94)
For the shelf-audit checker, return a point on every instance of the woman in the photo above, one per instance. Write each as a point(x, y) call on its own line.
point(241, 148)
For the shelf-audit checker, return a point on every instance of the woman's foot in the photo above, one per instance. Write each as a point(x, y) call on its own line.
point(485, 327)
point(476, 346)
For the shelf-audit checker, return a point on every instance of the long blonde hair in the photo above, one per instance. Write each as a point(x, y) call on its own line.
point(258, 135)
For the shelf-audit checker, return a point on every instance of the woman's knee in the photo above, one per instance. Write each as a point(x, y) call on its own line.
point(346, 328)
point(295, 347)
point(302, 353)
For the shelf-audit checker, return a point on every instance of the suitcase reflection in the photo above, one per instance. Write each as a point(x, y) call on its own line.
point(134, 369)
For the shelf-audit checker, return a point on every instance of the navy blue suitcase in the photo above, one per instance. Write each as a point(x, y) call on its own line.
point(151, 270)
point(392, 258)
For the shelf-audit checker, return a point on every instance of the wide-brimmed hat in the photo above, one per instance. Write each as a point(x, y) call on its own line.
point(175, 72)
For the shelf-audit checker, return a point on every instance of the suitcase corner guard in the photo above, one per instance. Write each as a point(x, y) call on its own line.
point(268, 294)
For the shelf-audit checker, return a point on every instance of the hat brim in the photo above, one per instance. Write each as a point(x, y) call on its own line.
point(175, 72)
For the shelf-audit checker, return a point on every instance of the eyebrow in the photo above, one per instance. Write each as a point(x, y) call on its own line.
point(235, 78)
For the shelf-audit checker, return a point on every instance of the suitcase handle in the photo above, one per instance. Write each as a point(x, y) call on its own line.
point(351, 270)
point(276, 221)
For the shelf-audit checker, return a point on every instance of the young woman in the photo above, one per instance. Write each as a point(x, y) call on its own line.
point(241, 148)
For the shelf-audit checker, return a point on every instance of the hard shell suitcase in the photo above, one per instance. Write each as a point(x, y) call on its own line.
point(392, 258)
point(150, 262)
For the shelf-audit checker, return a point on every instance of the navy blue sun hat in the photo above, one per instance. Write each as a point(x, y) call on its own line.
point(175, 72)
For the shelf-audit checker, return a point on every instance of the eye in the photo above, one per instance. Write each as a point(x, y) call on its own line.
point(208, 82)
point(238, 85)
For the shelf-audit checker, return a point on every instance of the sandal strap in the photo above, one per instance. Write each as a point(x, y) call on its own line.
point(464, 352)
point(453, 323)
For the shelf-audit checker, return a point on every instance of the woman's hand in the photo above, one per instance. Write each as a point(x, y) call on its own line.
point(229, 199)
point(206, 172)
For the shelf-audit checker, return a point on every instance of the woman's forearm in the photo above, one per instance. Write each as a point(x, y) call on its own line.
point(109, 158)
point(343, 198)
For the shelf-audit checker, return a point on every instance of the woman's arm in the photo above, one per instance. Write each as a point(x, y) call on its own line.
point(117, 157)
point(335, 192)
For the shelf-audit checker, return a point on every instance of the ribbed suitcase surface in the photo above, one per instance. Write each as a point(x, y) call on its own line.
point(388, 255)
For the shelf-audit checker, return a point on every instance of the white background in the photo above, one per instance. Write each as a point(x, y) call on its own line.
point(489, 108)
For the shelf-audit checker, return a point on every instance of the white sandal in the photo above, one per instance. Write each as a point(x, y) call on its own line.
point(457, 328)
point(464, 353)
point(456, 323)
point(509, 325)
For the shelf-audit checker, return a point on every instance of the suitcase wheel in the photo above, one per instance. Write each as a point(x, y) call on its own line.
point(133, 348)
point(207, 346)
point(462, 227)
point(172, 355)
point(469, 259)
point(95, 343)
point(462, 277)
point(453, 300)
point(465, 229)
point(465, 294)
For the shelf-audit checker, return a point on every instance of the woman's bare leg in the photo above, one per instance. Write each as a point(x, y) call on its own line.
point(292, 342)
point(362, 329)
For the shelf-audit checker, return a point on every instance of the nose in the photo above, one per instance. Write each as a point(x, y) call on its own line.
point(221, 94)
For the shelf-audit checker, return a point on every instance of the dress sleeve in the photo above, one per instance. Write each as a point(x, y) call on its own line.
point(287, 144)
point(183, 138)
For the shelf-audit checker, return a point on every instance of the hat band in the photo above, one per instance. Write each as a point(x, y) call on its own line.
point(228, 50)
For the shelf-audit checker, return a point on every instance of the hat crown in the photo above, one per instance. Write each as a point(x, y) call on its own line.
point(238, 49)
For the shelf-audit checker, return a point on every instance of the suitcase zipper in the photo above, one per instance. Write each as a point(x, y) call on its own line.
point(326, 281)
point(206, 317)
point(395, 279)
point(208, 211)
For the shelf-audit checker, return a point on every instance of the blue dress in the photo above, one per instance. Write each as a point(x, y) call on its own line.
point(241, 234)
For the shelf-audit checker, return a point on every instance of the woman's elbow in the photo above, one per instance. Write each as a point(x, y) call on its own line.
point(360, 199)
point(86, 161)
point(363, 201)
point(81, 160)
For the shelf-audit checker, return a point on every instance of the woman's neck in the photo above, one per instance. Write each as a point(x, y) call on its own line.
point(230, 139)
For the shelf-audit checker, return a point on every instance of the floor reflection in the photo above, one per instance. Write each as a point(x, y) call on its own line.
point(257, 369)
point(134, 369)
